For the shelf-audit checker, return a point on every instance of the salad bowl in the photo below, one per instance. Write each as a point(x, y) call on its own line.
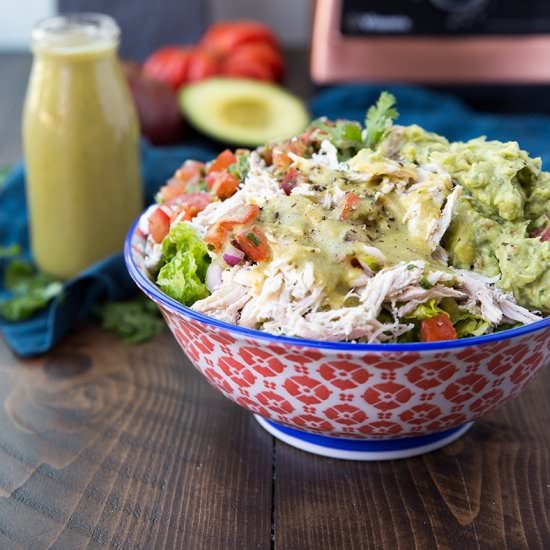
point(347, 400)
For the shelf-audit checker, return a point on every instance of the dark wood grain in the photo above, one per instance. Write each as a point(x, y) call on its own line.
point(490, 489)
point(106, 444)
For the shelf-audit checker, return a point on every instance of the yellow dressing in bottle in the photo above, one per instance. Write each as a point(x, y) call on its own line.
point(81, 143)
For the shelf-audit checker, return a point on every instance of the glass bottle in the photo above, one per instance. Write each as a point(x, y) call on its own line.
point(81, 144)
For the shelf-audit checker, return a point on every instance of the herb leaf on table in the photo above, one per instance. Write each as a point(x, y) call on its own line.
point(133, 321)
point(32, 290)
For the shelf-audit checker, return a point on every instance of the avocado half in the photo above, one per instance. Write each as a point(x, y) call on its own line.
point(243, 112)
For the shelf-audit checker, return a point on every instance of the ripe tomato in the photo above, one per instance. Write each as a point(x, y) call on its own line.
point(350, 204)
point(159, 224)
point(202, 64)
point(189, 204)
point(223, 38)
point(253, 243)
point(437, 328)
point(259, 60)
point(222, 184)
point(169, 65)
point(224, 160)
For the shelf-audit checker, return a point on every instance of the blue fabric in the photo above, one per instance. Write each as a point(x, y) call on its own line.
point(108, 279)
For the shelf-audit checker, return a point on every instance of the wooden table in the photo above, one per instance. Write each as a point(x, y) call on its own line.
point(127, 447)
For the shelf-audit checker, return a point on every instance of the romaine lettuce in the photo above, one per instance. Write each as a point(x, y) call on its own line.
point(184, 263)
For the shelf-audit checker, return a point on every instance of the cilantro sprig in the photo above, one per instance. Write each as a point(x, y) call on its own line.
point(349, 137)
point(133, 321)
point(379, 119)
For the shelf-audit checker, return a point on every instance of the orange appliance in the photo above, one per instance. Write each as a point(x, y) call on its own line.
point(431, 41)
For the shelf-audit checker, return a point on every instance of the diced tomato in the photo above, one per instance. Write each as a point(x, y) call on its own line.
point(253, 243)
point(169, 65)
point(186, 178)
point(159, 224)
point(190, 171)
point(202, 64)
point(216, 236)
point(224, 160)
point(281, 159)
point(190, 204)
point(225, 37)
point(172, 190)
point(546, 235)
point(437, 328)
point(222, 184)
point(218, 233)
point(350, 204)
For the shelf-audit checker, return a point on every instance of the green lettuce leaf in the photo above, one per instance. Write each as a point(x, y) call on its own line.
point(465, 323)
point(184, 263)
point(427, 310)
point(32, 291)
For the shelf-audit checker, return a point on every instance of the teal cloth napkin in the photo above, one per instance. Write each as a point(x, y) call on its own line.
point(108, 279)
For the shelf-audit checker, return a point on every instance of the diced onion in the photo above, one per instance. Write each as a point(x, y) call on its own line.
point(232, 255)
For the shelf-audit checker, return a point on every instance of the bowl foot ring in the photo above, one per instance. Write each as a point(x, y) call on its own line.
point(362, 449)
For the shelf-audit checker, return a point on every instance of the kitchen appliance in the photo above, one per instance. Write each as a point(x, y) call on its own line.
point(432, 41)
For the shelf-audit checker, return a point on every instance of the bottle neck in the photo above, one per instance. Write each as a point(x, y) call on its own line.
point(76, 36)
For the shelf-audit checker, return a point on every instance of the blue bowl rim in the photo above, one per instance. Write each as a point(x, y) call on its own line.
point(151, 290)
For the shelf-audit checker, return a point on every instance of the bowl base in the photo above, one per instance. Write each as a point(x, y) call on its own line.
point(362, 449)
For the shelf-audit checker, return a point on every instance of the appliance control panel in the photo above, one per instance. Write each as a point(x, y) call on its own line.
point(444, 17)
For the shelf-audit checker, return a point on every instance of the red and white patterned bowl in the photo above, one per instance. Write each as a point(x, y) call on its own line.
point(355, 401)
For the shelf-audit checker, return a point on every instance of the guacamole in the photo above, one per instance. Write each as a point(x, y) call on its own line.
point(505, 199)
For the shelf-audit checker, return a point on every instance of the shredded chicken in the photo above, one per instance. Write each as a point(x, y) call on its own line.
point(494, 305)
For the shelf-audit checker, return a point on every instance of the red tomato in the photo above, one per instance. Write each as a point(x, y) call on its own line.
point(189, 205)
point(217, 234)
point(223, 38)
point(350, 203)
point(202, 64)
point(255, 60)
point(169, 65)
point(190, 171)
point(222, 184)
point(280, 155)
point(159, 224)
point(224, 160)
point(172, 190)
point(437, 328)
point(250, 69)
point(253, 243)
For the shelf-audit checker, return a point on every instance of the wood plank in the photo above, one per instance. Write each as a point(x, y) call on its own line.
point(108, 444)
point(490, 489)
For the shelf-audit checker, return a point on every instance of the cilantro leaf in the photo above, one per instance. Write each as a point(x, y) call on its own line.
point(240, 167)
point(133, 321)
point(344, 134)
point(379, 119)
point(32, 290)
